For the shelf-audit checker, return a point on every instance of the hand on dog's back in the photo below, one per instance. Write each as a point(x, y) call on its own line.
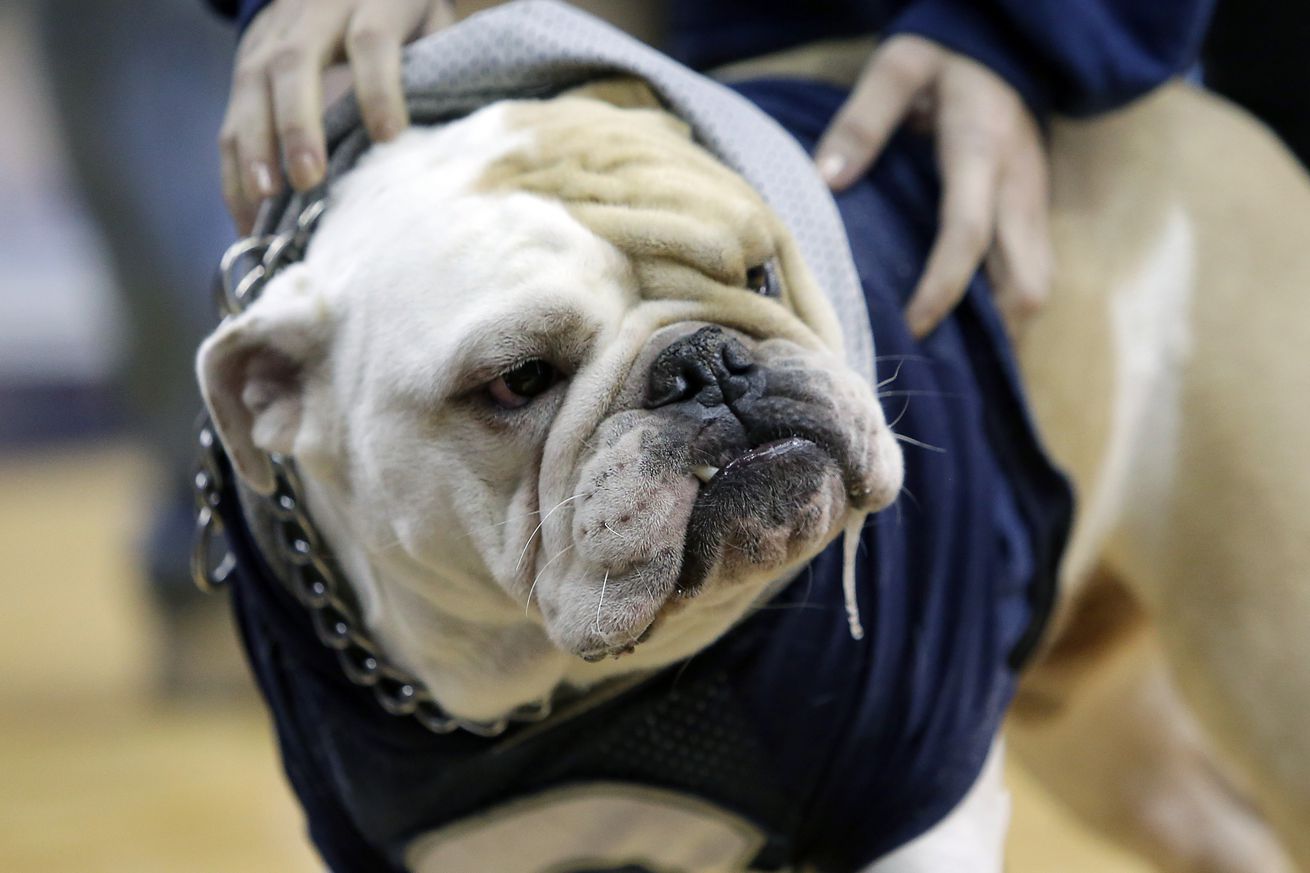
point(993, 166)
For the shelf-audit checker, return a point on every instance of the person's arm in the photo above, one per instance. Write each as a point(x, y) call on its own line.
point(982, 73)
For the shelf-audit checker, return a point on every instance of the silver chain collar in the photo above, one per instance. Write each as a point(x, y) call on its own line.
point(313, 577)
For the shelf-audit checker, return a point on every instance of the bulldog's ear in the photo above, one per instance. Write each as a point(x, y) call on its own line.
point(253, 372)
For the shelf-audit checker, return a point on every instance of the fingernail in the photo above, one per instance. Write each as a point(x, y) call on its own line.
point(263, 178)
point(831, 166)
point(305, 168)
point(387, 131)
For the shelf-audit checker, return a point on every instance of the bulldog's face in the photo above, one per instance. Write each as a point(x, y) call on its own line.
point(561, 370)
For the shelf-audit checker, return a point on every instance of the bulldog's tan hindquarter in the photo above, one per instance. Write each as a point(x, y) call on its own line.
point(1170, 376)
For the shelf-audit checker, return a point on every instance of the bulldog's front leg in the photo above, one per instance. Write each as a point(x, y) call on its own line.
point(971, 838)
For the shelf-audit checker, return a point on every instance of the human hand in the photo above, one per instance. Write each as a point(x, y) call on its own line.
point(993, 165)
point(276, 104)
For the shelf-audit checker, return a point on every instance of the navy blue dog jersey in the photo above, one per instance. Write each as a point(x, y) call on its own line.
point(803, 745)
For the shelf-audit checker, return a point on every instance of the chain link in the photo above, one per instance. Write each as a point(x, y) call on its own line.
point(312, 579)
point(207, 573)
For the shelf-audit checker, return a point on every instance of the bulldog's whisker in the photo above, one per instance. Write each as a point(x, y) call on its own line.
point(912, 441)
point(893, 377)
point(805, 600)
point(544, 519)
point(514, 518)
point(910, 494)
point(601, 604)
point(528, 604)
point(910, 392)
point(686, 665)
point(616, 533)
point(900, 415)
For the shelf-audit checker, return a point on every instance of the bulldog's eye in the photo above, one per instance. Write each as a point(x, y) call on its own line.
point(516, 388)
point(761, 279)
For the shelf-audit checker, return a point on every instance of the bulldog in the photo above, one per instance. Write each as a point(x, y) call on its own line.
point(568, 408)
point(604, 434)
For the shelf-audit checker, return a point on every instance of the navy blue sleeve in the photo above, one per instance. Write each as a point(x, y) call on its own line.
point(1077, 58)
point(242, 10)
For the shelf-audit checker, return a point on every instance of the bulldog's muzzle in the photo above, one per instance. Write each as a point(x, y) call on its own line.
point(755, 464)
point(726, 460)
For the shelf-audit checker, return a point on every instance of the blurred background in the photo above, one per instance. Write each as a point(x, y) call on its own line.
point(129, 736)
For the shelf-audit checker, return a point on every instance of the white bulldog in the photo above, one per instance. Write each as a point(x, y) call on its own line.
point(528, 448)
point(551, 444)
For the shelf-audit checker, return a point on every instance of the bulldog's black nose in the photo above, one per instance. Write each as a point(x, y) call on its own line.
point(709, 366)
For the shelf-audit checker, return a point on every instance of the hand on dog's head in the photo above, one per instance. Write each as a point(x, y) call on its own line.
point(556, 355)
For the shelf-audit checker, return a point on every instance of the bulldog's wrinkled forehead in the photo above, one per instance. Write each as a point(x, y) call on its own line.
point(691, 228)
point(636, 179)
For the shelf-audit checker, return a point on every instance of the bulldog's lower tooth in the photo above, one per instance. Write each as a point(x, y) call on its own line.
point(705, 472)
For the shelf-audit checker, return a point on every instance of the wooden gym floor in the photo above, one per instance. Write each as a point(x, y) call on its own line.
point(98, 774)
